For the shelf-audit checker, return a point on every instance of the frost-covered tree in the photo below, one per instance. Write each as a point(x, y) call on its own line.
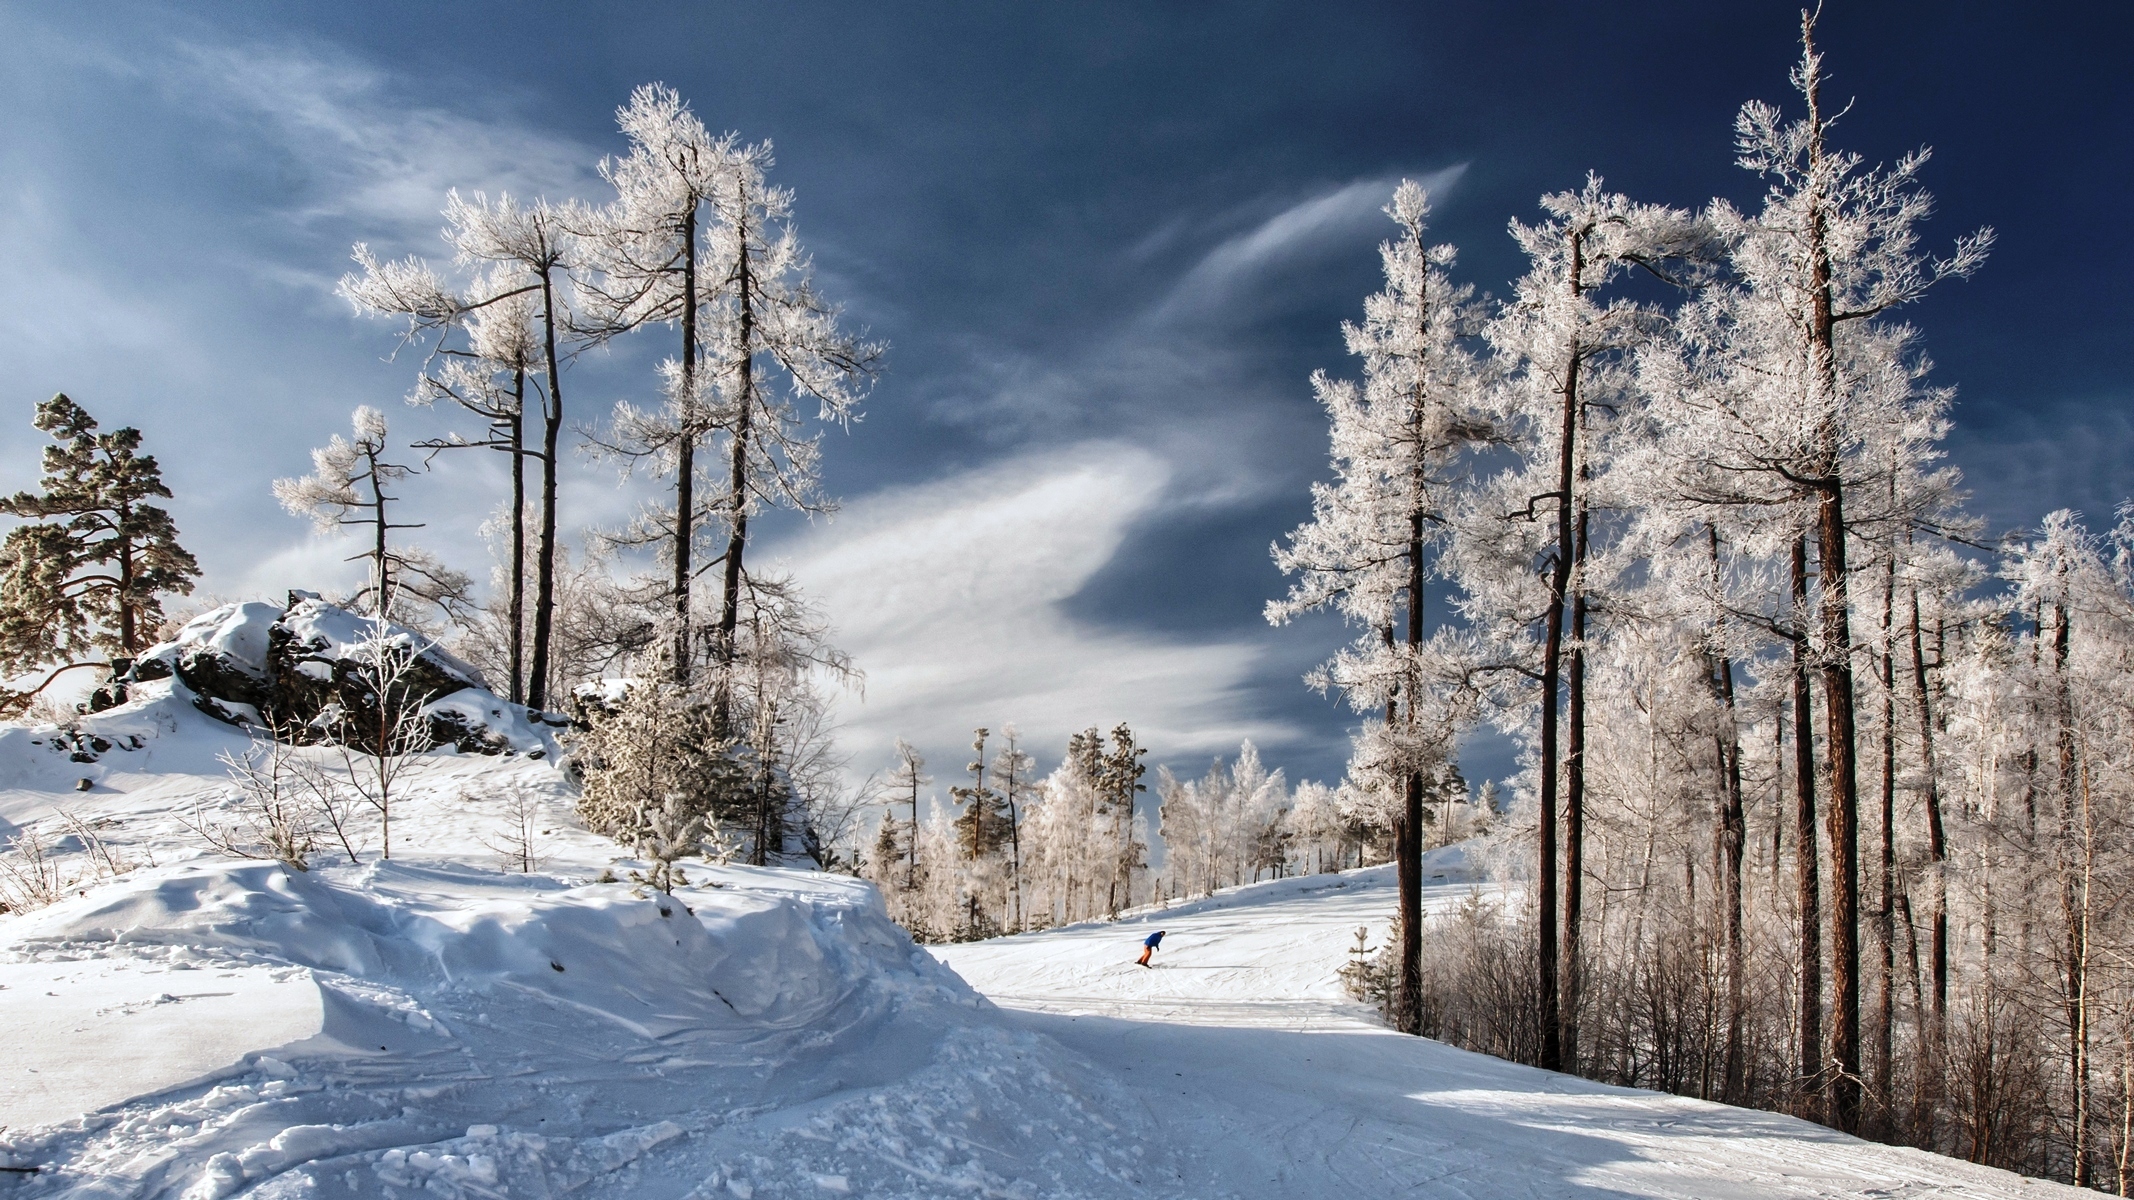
point(650, 264)
point(1227, 827)
point(488, 342)
point(651, 771)
point(785, 653)
point(347, 488)
point(763, 325)
point(87, 571)
point(907, 778)
point(1805, 344)
point(1527, 554)
point(1014, 777)
point(1400, 442)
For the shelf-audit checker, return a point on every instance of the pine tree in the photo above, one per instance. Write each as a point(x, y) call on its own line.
point(88, 573)
point(1119, 785)
point(651, 770)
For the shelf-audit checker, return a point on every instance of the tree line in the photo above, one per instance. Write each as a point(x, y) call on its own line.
point(1822, 805)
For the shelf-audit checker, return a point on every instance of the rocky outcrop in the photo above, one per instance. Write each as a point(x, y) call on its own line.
point(314, 671)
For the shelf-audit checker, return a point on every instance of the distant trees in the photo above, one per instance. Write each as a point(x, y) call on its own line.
point(87, 571)
point(1008, 851)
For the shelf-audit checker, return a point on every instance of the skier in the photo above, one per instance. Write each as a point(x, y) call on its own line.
point(1148, 947)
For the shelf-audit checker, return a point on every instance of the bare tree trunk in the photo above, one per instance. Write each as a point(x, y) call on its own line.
point(685, 469)
point(1806, 857)
point(1574, 800)
point(129, 604)
point(1937, 849)
point(2074, 902)
point(518, 534)
point(545, 562)
point(1409, 838)
point(1551, 685)
point(736, 495)
point(1842, 815)
point(1886, 860)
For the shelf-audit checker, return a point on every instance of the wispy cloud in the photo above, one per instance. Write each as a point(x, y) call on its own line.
point(1324, 221)
point(364, 152)
point(950, 594)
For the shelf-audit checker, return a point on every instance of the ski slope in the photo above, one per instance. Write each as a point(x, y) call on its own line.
point(1244, 1059)
point(195, 1027)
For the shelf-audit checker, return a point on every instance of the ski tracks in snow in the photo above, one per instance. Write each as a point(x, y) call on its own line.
point(1263, 1080)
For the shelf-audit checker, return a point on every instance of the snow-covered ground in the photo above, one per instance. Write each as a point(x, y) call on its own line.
point(437, 1025)
point(1243, 1058)
point(198, 1026)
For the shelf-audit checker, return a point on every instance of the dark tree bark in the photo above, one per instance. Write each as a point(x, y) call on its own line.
point(1841, 816)
point(1409, 839)
point(685, 454)
point(1574, 806)
point(1564, 558)
point(1733, 841)
point(1826, 483)
point(737, 486)
point(517, 450)
point(1937, 848)
point(545, 559)
point(1806, 856)
point(1886, 860)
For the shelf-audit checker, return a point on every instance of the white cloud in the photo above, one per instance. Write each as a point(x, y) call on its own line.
point(366, 153)
point(1309, 226)
point(950, 596)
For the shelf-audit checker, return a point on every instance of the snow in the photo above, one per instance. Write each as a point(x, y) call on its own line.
point(199, 1027)
point(437, 1024)
point(239, 632)
point(1243, 1055)
point(125, 1010)
point(330, 631)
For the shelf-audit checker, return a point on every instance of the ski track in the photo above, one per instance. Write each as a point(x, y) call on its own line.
point(1249, 1063)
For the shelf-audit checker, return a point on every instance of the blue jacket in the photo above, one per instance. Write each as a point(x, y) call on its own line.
point(1151, 940)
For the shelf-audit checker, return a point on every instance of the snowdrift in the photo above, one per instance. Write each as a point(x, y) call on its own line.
point(197, 1026)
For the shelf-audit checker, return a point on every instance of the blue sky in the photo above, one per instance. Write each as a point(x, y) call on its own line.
point(1107, 242)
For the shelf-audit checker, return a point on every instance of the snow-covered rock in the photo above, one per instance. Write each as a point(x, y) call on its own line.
point(256, 665)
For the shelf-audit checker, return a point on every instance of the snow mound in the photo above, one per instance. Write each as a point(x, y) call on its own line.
point(210, 1027)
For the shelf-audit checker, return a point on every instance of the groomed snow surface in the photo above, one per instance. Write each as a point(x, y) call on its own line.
point(438, 1026)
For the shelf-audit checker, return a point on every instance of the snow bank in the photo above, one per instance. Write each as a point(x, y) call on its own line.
point(212, 1027)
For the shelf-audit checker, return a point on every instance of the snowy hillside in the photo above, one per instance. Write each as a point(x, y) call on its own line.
point(197, 1026)
point(205, 1027)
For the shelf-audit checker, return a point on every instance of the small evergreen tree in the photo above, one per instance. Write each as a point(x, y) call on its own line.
point(650, 770)
point(88, 573)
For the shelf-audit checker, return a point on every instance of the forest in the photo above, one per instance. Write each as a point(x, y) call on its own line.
point(1823, 797)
